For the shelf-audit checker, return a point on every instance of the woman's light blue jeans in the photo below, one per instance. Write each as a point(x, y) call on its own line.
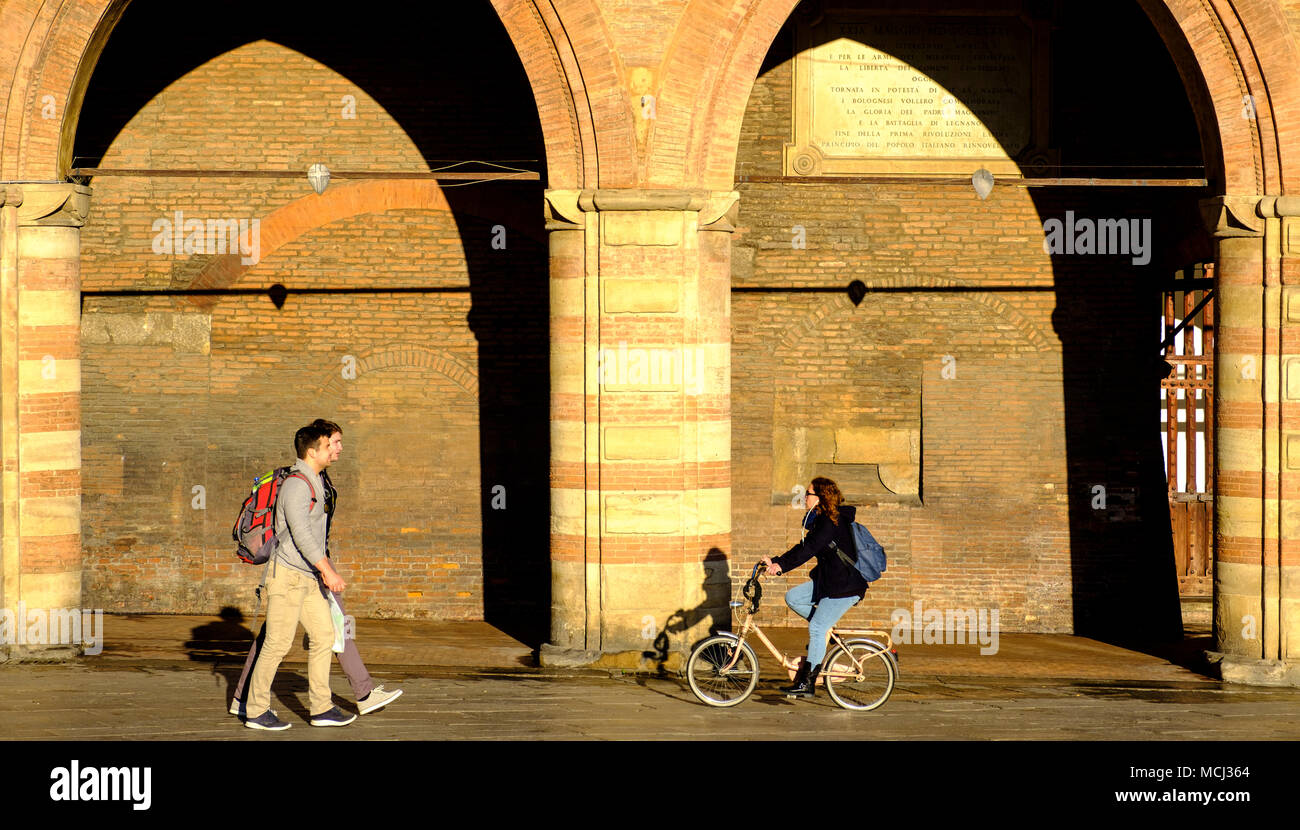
point(820, 617)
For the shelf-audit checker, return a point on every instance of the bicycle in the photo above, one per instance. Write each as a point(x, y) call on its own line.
point(859, 672)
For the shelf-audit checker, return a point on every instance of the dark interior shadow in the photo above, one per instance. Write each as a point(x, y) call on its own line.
point(429, 73)
point(1124, 579)
point(1187, 651)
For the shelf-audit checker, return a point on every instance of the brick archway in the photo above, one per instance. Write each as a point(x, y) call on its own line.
point(1223, 50)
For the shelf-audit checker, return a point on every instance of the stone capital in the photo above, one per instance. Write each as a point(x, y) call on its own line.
point(1232, 216)
point(48, 203)
point(1279, 207)
point(11, 195)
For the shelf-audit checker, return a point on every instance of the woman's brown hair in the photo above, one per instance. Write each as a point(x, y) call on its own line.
point(829, 498)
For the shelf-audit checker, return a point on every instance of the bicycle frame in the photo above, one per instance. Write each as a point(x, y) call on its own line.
point(867, 634)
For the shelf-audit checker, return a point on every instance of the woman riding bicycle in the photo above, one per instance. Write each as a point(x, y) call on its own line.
point(836, 586)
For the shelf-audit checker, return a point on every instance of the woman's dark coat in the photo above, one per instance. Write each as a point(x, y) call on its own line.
point(832, 577)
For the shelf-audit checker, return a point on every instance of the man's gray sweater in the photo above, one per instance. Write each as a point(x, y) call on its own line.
point(304, 543)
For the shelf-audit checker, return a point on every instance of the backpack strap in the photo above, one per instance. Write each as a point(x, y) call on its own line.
point(309, 487)
point(844, 557)
point(257, 608)
point(290, 530)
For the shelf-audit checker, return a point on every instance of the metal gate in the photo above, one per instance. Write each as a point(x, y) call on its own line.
point(1187, 423)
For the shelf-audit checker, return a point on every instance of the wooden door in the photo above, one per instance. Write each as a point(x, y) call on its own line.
point(1187, 400)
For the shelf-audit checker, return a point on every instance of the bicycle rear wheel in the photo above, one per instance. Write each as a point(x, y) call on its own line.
point(861, 677)
point(709, 678)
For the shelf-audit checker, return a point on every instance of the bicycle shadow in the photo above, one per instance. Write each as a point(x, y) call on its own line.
point(713, 609)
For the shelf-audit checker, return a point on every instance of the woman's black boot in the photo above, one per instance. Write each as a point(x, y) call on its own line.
point(812, 679)
point(798, 689)
point(808, 688)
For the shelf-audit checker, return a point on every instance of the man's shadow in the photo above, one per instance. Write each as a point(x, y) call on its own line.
point(220, 640)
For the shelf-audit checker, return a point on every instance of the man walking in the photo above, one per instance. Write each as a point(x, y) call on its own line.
point(293, 585)
point(369, 697)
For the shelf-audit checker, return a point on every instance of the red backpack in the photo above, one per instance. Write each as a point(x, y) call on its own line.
point(254, 530)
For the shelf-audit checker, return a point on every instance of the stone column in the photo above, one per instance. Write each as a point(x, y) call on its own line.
point(1257, 438)
point(40, 426)
point(640, 422)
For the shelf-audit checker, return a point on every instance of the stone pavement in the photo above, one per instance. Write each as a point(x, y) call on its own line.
point(185, 702)
point(470, 681)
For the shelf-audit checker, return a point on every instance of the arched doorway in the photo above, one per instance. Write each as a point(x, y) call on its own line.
point(413, 312)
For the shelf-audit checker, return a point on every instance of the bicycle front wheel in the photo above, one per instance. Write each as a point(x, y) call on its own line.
point(710, 678)
point(861, 677)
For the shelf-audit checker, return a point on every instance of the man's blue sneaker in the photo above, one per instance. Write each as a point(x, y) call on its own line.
point(237, 707)
point(334, 717)
point(268, 721)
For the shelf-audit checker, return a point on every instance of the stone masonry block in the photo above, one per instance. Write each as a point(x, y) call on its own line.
point(624, 443)
point(709, 511)
point(52, 590)
point(651, 513)
point(49, 450)
point(40, 376)
point(568, 511)
point(796, 451)
point(642, 227)
point(51, 515)
point(621, 296)
point(49, 308)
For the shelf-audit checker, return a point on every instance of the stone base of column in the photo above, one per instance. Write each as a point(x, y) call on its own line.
point(1251, 671)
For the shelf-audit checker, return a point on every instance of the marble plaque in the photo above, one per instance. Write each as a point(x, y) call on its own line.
point(911, 95)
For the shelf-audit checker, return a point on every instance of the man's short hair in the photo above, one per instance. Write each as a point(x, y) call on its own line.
point(308, 437)
point(330, 425)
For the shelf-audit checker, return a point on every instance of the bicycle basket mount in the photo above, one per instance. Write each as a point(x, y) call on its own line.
point(753, 592)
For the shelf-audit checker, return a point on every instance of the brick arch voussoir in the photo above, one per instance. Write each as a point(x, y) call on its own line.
point(1211, 51)
point(333, 385)
point(1257, 34)
point(62, 43)
point(566, 122)
point(581, 90)
point(841, 304)
point(704, 92)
